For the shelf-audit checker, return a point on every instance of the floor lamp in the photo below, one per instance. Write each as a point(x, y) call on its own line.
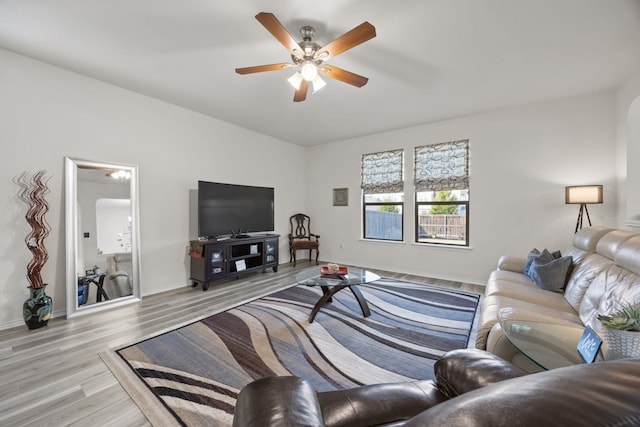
point(583, 195)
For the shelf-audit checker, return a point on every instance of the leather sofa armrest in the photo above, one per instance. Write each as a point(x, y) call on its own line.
point(118, 273)
point(499, 345)
point(511, 263)
point(277, 401)
point(598, 394)
point(460, 371)
point(378, 404)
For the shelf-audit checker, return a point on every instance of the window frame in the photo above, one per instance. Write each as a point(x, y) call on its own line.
point(365, 204)
point(420, 188)
point(391, 186)
point(416, 236)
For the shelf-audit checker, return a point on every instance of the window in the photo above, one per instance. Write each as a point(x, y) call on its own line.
point(441, 185)
point(383, 195)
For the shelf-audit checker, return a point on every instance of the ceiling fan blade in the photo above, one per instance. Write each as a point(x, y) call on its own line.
point(301, 93)
point(261, 68)
point(271, 23)
point(356, 36)
point(343, 75)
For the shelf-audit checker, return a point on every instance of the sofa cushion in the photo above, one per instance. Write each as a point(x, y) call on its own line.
point(628, 255)
point(600, 298)
point(555, 306)
point(609, 243)
point(536, 315)
point(587, 238)
point(582, 276)
point(616, 284)
point(532, 294)
point(550, 275)
point(588, 265)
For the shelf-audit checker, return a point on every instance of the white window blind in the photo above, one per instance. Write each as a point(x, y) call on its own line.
point(382, 172)
point(441, 167)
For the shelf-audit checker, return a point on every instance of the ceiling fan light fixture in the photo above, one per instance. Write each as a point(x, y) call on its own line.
point(321, 55)
point(318, 84)
point(295, 80)
point(309, 56)
point(309, 70)
point(120, 174)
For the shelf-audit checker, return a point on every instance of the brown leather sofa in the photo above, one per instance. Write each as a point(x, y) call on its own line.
point(472, 388)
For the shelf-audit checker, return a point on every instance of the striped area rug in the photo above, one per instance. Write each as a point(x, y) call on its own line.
point(192, 375)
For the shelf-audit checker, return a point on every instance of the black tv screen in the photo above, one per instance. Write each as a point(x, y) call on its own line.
point(229, 209)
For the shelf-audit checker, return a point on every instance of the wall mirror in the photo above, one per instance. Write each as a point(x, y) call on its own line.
point(102, 235)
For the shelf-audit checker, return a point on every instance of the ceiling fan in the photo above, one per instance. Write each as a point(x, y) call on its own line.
point(310, 57)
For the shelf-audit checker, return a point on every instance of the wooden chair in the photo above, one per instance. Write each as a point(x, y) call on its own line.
point(301, 237)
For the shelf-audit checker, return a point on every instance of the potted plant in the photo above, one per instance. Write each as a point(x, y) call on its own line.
point(622, 331)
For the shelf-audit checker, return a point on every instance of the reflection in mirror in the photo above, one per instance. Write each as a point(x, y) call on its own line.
point(113, 225)
point(102, 235)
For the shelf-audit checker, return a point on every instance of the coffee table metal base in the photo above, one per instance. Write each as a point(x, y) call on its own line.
point(329, 292)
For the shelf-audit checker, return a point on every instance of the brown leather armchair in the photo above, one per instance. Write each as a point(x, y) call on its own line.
point(472, 388)
point(301, 237)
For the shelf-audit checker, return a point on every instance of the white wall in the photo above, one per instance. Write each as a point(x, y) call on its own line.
point(521, 159)
point(48, 113)
point(628, 127)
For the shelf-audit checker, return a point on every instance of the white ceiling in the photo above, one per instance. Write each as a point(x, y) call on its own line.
point(431, 59)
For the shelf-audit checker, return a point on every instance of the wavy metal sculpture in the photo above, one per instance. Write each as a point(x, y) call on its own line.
point(32, 191)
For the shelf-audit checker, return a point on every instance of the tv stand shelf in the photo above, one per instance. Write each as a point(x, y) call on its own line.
point(217, 259)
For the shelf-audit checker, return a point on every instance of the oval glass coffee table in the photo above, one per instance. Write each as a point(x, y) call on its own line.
point(331, 284)
point(548, 345)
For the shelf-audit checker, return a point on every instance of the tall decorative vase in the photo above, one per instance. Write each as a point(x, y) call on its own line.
point(37, 308)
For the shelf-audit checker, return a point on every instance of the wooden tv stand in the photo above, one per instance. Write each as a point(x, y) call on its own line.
point(232, 257)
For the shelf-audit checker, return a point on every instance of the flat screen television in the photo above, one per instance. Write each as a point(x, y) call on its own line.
point(229, 209)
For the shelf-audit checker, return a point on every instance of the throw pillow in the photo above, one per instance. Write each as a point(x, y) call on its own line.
point(535, 253)
point(550, 275)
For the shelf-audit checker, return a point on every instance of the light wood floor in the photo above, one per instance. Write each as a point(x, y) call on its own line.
point(53, 376)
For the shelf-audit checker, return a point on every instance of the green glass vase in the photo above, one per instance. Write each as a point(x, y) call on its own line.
point(37, 308)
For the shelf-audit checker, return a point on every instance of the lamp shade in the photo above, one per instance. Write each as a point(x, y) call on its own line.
point(309, 70)
point(295, 80)
point(583, 194)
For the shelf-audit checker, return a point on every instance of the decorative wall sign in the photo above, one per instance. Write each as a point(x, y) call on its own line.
point(340, 197)
point(589, 345)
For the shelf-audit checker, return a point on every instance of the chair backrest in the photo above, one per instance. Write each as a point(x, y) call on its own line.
point(300, 226)
point(121, 262)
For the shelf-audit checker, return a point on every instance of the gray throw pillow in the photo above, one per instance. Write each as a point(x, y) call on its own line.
point(544, 255)
point(550, 275)
point(533, 254)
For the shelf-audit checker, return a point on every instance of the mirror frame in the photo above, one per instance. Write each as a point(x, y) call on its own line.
point(72, 236)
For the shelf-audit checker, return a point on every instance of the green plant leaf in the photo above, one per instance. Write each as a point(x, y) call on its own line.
point(626, 318)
